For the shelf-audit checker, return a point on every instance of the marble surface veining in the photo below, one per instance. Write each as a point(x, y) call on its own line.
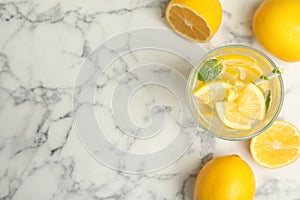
point(43, 45)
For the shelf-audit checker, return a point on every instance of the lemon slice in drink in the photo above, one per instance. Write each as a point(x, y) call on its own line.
point(244, 110)
point(212, 92)
point(245, 71)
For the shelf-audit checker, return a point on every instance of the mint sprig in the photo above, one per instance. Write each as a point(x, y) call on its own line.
point(209, 70)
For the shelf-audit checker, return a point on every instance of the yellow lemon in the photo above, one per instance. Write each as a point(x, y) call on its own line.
point(276, 26)
point(225, 178)
point(212, 92)
point(247, 108)
point(197, 20)
point(278, 146)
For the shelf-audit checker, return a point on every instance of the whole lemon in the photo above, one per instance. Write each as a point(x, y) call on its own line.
point(276, 26)
point(225, 178)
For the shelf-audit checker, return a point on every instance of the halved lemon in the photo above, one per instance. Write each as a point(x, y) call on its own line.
point(212, 92)
point(278, 146)
point(247, 108)
point(197, 20)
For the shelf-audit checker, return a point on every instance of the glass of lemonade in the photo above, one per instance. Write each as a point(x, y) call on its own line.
point(230, 94)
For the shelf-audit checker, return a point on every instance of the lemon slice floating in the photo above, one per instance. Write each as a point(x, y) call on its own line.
point(242, 70)
point(212, 92)
point(278, 146)
point(247, 108)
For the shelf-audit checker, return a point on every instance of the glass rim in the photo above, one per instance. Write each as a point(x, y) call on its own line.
point(273, 118)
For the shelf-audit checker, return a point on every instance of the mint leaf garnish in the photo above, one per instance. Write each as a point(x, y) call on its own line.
point(267, 99)
point(209, 70)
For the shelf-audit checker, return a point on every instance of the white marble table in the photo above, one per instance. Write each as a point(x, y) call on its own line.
point(43, 46)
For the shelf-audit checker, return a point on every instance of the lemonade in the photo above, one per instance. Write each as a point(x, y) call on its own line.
point(229, 96)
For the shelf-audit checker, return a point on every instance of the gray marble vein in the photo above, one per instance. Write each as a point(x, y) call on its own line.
point(43, 45)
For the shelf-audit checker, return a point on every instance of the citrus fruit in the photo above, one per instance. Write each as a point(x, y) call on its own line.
point(230, 75)
point(278, 146)
point(238, 66)
point(276, 26)
point(246, 109)
point(246, 73)
point(233, 64)
point(197, 20)
point(233, 56)
point(212, 92)
point(225, 178)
